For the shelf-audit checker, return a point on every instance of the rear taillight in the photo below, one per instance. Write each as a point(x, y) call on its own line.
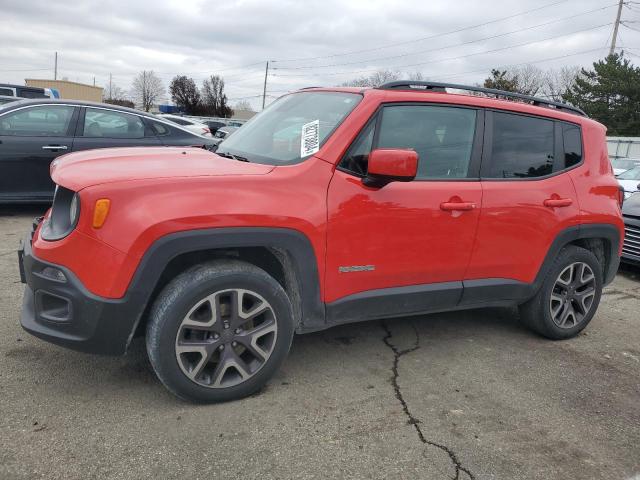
point(206, 130)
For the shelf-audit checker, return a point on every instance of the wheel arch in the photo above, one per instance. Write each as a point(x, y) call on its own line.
point(602, 239)
point(287, 255)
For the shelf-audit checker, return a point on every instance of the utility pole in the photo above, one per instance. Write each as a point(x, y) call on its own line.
point(264, 90)
point(615, 28)
point(110, 97)
point(55, 68)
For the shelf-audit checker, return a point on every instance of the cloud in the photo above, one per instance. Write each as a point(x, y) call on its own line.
point(197, 38)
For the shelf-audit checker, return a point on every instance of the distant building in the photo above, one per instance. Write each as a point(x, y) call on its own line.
point(242, 114)
point(69, 90)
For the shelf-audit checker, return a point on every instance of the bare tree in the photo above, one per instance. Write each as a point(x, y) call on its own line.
point(529, 79)
point(243, 105)
point(214, 99)
point(374, 80)
point(147, 89)
point(113, 92)
point(558, 82)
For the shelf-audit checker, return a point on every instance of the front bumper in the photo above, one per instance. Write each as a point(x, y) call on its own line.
point(58, 308)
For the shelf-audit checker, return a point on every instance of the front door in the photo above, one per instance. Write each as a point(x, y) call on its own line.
point(30, 138)
point(406, 240)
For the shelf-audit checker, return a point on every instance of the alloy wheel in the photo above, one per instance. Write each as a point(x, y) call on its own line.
point(573, 294)
point(226, 338)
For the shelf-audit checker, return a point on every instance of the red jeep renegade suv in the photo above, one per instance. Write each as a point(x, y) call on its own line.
point(334, 205)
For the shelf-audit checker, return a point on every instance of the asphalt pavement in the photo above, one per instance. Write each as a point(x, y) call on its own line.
point(459, 395)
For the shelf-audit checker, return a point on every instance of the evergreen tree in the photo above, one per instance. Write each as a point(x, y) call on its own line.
point(610, 93)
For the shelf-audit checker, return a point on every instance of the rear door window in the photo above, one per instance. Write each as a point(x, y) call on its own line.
point(99, 123)
point(521, 147)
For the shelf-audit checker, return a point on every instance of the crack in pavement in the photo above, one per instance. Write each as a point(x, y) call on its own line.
point(397, 353)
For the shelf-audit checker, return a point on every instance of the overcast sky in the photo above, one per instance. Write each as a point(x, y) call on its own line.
point(308, 43)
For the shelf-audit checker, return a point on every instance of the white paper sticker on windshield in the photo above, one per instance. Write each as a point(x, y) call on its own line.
point(310, 139)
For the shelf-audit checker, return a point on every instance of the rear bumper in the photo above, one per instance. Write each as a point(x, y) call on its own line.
point(58, 308)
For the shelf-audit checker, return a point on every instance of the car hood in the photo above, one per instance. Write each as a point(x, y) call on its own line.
point(631, 206)
point(629, 185)
point(79, 170)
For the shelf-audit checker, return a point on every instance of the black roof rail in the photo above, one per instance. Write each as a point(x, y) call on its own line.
point(441, 87)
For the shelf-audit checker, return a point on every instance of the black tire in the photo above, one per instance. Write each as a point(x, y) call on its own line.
point(174, 306)
point(538, 313)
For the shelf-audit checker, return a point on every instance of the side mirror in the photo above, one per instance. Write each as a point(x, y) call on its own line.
point(390, 165)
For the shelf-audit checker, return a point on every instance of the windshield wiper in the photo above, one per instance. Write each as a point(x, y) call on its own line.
point(232, 156)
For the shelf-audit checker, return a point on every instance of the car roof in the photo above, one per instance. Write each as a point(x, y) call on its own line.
point(78, 103)
point(460, 98)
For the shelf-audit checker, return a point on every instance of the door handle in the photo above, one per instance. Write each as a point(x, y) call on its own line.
point(54, 147)
point(451, 206)
point(558, 202)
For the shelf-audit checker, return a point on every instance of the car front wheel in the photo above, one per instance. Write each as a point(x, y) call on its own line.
point(219, 331)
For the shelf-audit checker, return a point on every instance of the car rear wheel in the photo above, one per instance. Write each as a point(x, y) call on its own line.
point(569, 296)
point(219, 331)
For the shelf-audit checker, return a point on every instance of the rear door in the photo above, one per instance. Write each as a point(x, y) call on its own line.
point(103, 128)
point(527, 197)
point(30, 139)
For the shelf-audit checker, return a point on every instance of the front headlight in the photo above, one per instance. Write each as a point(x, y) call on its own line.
point(65, 212)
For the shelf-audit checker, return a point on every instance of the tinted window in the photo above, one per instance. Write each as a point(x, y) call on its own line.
point(6, 91)
point(358, 155)
point(179, 121)
point(522, 146)
point(25, 92)
point(110, 124)
point(42, 121)
point(441, 136)
point(158, 128)
point(572, 144)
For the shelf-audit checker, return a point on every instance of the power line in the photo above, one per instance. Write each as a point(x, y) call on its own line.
point(451, 58)
point(217, 70)
point(448, 46)
point(425, 38)
point(542, 60)
point(28, 70)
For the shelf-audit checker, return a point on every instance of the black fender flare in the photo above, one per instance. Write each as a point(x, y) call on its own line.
point(294, 243)
point(585, 231)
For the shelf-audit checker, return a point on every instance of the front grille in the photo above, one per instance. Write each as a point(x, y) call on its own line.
point(631, 244)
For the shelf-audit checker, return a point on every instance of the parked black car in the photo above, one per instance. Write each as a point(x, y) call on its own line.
point(214, 125)
point(34, 132)
point(631, 216)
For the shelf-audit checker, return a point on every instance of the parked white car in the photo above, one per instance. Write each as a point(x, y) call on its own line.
point(621, 165)
point(630, 181)
point(189, 124)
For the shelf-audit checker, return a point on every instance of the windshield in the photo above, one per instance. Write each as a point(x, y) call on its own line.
point(633, 174)
point(274, 136)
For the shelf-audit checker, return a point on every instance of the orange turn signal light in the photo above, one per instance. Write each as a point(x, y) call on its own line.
point(100, 212)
